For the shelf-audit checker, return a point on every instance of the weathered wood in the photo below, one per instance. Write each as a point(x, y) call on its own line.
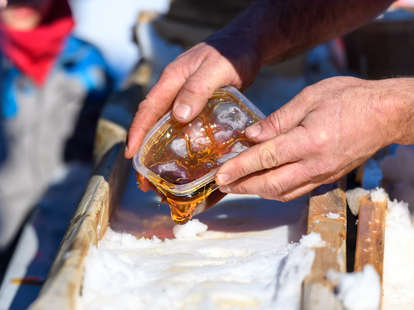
point(90, 221)
point(88, 225)
point(370, 235)
point(326, 216)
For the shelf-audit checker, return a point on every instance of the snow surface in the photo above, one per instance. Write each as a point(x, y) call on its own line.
point(379, 195)
point(200, 268)
point(189, 230)
point(398, 273)
point(212, 270)
point(358, 290)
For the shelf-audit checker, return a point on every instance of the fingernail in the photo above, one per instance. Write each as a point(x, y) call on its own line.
point(222, 178)
point(224, 189)
point(253, 131)
point(182, 111)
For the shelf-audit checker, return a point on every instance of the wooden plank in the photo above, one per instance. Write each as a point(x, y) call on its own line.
point(326, 216)
point(90, 221)
point(370, 235)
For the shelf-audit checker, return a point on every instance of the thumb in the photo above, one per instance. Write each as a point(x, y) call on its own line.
point(199, 87)
point(281, 121)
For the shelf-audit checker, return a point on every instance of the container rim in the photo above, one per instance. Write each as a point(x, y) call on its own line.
point(188, 188)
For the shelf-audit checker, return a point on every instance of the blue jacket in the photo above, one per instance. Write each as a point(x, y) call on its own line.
point(41, 128)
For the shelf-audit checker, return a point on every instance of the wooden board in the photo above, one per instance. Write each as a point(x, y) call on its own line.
point(90, 221)
point(370, 235)
point(326, 216)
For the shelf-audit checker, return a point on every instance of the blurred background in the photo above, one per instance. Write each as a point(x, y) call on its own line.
point(109, 25)
point(59, 73)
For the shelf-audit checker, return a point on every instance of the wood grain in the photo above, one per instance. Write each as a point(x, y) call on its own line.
point(370, 235)
point(326, 216)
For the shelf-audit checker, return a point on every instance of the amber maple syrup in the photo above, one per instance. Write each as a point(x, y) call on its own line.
point(170, 170)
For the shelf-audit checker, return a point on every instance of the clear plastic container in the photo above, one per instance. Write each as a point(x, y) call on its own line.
point(180, 160)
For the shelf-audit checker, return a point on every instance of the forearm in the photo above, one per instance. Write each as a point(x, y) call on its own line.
point(396, 107)
point(278, 29)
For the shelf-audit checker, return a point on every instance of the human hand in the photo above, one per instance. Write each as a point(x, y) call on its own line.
point(323, 133)
point(188, 82)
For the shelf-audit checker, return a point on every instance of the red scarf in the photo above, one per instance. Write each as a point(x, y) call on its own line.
point(35, 51)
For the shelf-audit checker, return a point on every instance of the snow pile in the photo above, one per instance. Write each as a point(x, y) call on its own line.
point(379, 195)
point(358, 290)
point(398, 273)
point(198, 269)
point(189, 230)
point(353, 197)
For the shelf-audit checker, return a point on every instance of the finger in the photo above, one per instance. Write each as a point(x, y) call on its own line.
point(156, 104)
point(278, 151)
point(282, 120)
point(199, 87)
point(271, 184)
point(306, 188)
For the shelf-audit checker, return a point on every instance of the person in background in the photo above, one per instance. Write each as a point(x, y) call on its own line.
point(326, 131)
point(52, 88)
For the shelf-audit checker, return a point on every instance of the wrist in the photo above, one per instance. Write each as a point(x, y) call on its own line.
point(240, 50)
point(397, 102)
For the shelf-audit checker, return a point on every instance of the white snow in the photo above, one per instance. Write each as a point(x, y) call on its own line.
point(189, 230)
point(353, 197)
point(313, 240)
point(398, 273)
point(379, 195)
point(358, 290)
point(199, 269)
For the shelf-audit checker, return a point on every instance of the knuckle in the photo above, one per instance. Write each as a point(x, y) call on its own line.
point(321, 139)
point(307, 93)
point(170, 70)
point(273, 188)
point(189, 89)
point(197, 87)
point(275, 120)
point(242, 169)
point(240, 189)
point(267, 157)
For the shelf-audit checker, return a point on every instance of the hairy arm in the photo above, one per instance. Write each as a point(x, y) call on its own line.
point(270, 30)
point(278, 28)
point(323, 133)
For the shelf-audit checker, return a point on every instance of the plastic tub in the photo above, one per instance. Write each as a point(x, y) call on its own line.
point(180, 160)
